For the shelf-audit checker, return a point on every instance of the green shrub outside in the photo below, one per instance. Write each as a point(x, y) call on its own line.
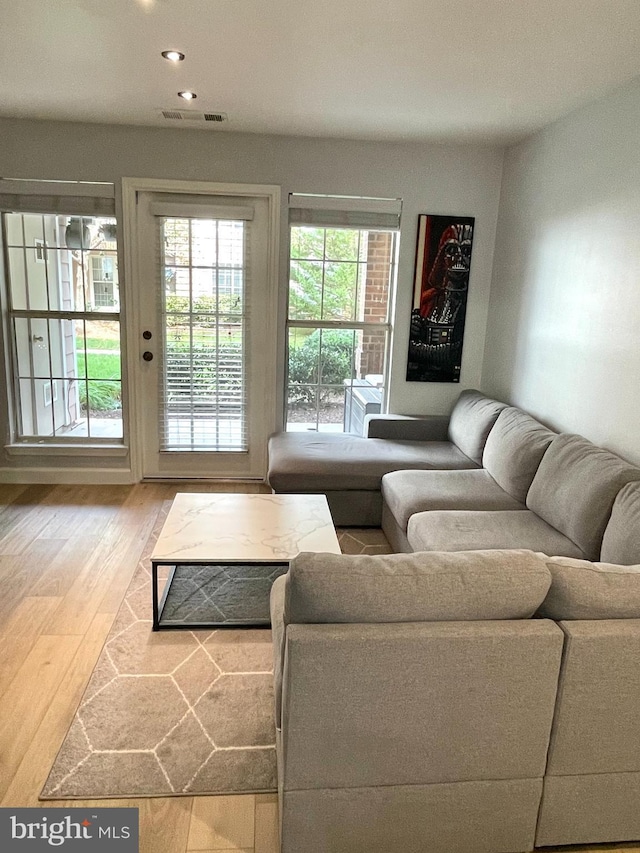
point(176, 307)
point(105, 395)
point(326, 355)
point(210, 376)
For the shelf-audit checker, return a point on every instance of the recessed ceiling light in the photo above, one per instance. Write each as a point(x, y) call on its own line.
point(173, 55)
point(188, 96)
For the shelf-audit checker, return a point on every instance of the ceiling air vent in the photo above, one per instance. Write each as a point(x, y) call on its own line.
point(193, 115)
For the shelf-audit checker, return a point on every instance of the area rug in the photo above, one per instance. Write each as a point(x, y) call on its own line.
point(176, 712)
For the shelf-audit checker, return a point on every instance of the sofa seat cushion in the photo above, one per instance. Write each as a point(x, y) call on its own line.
point(575, 487)
point(472, 419)
point(467, 531)
point(434, 587)
point(581, 589)
point(621, 540)
point(408, 492)
point(514, 450)
point(311, 461)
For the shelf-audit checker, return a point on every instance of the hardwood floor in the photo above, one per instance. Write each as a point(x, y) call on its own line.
point(67, 554)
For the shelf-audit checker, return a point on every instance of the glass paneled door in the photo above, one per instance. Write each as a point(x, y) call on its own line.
point(205, 335)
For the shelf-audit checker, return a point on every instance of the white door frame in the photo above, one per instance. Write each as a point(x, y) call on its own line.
point(130, 188)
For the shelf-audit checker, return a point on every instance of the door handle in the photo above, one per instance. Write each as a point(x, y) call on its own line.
point(148, 356)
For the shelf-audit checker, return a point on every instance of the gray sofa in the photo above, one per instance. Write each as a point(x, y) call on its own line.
point(419, 707)
point(489, 476)
point(591, 788)
point(348, 469)
point(564, 511)
point(511, 457)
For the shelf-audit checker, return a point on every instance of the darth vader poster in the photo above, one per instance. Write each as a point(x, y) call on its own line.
point(443, 262)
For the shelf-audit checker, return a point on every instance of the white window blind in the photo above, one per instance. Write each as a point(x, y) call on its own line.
point(345, 211)
point(60, 197)
point(203, 405)
point(193, 210)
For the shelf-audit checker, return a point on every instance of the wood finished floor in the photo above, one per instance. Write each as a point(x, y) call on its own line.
point(67, 554)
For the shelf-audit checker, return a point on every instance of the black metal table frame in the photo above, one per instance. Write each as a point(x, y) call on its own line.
point(159, 603)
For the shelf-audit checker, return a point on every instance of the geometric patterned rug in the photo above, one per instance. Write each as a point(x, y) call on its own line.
point(176, 712)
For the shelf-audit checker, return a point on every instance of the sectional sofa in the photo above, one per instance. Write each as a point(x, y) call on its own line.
point(348, 469)
point(418, 704)
point(419, 707)
point(487, 477)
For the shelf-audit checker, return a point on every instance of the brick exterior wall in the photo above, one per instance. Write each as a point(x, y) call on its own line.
point(375, 298)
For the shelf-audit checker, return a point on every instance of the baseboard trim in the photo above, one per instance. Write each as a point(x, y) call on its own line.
point(81, 476)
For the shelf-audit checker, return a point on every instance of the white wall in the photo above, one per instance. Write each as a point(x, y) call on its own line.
point(563, 336)
point(461, 180)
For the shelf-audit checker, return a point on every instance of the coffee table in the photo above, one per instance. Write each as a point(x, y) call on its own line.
point(224, 551)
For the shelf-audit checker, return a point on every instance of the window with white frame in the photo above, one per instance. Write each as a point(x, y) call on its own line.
point(342, 268)
point(61, 312)
point(203, 274)
point(103, 279)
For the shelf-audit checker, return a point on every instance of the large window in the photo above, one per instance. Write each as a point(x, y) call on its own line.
point(340, 286)
point(62, 318)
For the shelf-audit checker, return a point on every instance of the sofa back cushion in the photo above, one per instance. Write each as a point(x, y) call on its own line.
point(420, 587)
point(417, 704)
point(581, 589)
point(514, 449)
point(575, 487)
point(621, 540)
point(471, 421)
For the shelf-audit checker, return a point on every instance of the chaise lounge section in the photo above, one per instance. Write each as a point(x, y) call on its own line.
point(348, 469)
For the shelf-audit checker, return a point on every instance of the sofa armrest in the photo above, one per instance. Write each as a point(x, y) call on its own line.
point(278, 632)
point(407, 427)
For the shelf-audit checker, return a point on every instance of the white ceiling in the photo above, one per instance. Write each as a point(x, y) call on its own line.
point(490, 70)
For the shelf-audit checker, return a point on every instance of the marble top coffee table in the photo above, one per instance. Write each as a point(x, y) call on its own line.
point(224, 551)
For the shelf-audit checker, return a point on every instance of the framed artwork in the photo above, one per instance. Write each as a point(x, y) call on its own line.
point(441, 284)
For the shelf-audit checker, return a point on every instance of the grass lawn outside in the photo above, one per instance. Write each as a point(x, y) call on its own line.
point(103, 343)
point(103, 372)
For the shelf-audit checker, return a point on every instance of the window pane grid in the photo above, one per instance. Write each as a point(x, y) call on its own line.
point(338, 325)
point(62, 280)
point(328, 285)
point(203, 405)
